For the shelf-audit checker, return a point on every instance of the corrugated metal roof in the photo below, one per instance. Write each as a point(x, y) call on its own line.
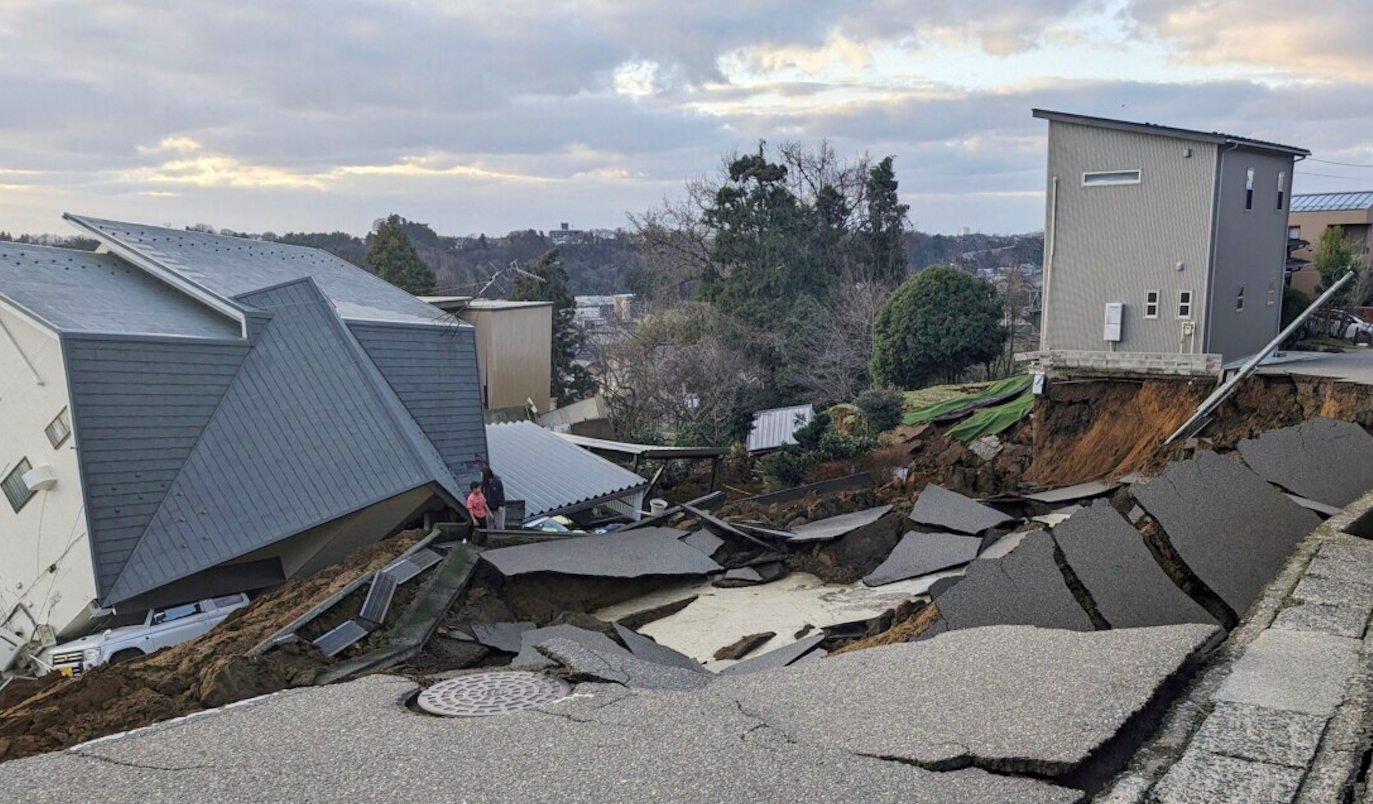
point(776, 427)
point(1166, 131)
point(233, 266)
point(80, 291)
point(1332, 202)
point(550, 474)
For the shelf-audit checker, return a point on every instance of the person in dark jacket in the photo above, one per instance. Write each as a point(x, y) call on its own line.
point(494, 492)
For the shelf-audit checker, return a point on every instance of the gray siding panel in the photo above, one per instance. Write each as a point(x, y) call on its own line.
point(303, 436)
point(129, 454)
point(1251, 251)
point(433, 372)
point(1116, 243)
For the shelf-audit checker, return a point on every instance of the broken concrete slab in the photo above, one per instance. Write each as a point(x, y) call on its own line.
point(587, 664)
point(1322, 459)
point(952, 702)
point(774, 659)
point(631, 554)
point(831, 528)
point(1201, 777)
point(1081, 491)
point(1260, 734)
point(646, 649)
point(1126, 583)
point(530, 657)
point(1231, 529)
point(743, 646)
point(994, 546)
point(501, 636)
point(705, 541)
point(948, 510)
point(1024, 588)
point(1295, 671)
point(766, 572)
point(923, 553)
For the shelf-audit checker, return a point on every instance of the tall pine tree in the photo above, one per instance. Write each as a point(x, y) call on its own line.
point(885, 227)
point(546, 280)
point(392, 257)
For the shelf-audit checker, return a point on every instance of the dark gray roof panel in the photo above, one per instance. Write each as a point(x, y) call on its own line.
point(233, 266)
point(304, 435)
point(138, 408)
point(433, 371)
point(1168, 131)
point(79, 291)
point(549, 473)
point(1332, 202)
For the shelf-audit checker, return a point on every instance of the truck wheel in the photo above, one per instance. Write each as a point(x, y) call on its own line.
point(126, 655)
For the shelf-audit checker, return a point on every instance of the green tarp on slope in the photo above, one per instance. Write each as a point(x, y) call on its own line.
point(990, 421)
point(967, 403)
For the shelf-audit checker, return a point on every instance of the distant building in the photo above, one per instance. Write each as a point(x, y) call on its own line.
point(188, 415)
point(1313, 213)
point(1162, 240)
point(564, 235)
point(514, 348)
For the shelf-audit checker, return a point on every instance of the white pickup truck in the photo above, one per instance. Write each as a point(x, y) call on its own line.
point(161, 628)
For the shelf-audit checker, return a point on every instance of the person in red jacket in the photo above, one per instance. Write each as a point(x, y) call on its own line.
point(476, 505)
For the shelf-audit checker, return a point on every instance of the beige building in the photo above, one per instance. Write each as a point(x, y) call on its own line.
point(514, 348)
point(1313, 213)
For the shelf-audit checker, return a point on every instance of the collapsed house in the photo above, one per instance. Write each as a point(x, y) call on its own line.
point(191, 415)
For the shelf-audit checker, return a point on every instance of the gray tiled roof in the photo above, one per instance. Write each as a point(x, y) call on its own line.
point(80, 291)
point(233, 266)
point(305, 433)
point(549, 473)
point(1332, 202)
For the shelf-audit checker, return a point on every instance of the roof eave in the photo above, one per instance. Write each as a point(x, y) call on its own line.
point(1166, 131)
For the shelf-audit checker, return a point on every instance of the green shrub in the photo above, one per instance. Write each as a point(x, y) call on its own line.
point(787, 466)
point(881, 408)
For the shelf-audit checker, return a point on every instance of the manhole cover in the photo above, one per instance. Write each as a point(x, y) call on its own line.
point(486, 694)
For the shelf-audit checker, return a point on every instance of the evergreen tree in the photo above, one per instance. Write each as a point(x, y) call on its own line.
point(934, 326)
point(886, 225)
point(546, 280)
point(392, 257)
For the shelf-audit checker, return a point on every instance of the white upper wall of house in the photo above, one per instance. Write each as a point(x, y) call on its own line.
point(1142, 234)
point(49, 530)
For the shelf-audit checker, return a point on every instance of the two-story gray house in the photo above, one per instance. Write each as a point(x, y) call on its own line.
point(1162, 241)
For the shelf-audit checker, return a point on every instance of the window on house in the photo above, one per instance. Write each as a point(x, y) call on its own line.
point(1184, 304)
point(16, 490)
point(1101, 177)
point(1294, 233)
point(1272, 293)
point(1239, 300)
point(1249, 190)
point(60, 428)
point(1151, 304)
point(1282, 188)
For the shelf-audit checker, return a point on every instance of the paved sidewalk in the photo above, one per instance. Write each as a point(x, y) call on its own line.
point(1281, 714)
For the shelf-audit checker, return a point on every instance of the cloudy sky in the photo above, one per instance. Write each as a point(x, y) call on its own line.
point(491, 116)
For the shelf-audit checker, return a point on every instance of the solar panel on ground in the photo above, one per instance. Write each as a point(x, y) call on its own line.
point(338, 639)
point(379, 596)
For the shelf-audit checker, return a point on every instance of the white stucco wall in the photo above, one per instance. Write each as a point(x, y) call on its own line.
point(50, 529)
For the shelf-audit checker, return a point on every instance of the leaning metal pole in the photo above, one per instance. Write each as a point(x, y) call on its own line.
point(1222, 393)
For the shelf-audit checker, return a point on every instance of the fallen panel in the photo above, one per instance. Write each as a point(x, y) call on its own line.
point(824, 530)
point(721, 526)
point(339, 638)
point(1128, 586)
point(1082, 491)
point(773, 659)
point(402, 570)
point(997, 547)
point(1009, 699)
point(923, 553)
point(1233, 530)
point(648, 650)
point(588, 664)
point(1325, 460)
point(506, 637)
point(378, 600)
point(623, 554)
point(940, 508)
point(705, 541)
point(1024, 588)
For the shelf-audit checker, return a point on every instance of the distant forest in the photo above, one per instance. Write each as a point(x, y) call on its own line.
point(598, 262)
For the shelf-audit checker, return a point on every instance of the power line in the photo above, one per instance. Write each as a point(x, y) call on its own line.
point(1365, 179)
point(1342, 164)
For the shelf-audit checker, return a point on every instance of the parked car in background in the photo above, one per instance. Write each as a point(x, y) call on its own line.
point(1351, 328)
point(161, 628)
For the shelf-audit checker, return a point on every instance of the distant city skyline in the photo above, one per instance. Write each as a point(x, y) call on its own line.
point(479, 118)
